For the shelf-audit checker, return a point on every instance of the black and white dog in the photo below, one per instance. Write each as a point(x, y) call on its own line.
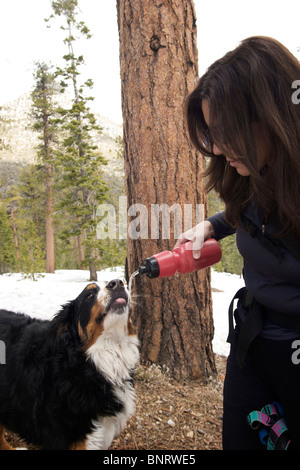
point(68, 383)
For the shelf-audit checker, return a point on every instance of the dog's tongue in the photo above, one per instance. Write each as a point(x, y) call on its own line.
point(120, 301)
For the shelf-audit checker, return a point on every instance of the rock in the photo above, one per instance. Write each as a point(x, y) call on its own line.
point(171, 423)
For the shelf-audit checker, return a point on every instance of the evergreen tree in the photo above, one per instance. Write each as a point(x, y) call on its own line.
point(79, 160)
point(7, 252)
point(30, 214)
point(231, 261)
point(24, 203)
point(113, 251)
point(43, 113)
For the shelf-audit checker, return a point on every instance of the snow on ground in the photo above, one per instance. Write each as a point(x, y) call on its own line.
point(224, 286)
point(45, 296)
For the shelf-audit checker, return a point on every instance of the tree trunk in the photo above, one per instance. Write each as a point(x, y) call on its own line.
point(159, 66)
point(93, 272)
point(50, 252)
point(80, 252)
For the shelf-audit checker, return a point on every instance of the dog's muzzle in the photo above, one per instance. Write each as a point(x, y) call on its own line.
point(118, 295)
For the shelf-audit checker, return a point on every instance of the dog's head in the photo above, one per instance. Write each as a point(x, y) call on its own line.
point(96, 312)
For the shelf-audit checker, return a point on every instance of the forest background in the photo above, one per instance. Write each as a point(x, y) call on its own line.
point(58, 163)
point(22, 212)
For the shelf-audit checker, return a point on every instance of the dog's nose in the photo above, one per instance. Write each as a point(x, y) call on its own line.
point(115, 284)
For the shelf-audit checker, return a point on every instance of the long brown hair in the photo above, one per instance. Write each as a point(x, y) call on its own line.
point(251, 84)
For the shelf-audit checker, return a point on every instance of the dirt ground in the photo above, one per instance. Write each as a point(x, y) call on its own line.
point(170, 415)
point(175, 416)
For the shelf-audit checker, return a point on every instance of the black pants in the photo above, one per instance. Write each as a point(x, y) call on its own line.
point(271, 374)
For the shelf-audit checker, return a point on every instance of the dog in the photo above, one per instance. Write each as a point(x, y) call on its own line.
point(67, 383)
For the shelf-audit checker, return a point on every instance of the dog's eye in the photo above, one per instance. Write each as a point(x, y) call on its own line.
point(91, 295)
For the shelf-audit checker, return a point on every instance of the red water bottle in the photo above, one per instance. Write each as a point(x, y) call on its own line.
point(181, 260)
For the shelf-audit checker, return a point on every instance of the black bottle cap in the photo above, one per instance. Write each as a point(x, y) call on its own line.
point(150, 267)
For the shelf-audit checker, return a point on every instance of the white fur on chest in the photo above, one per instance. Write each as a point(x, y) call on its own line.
point(115, 355)
point(108, 427)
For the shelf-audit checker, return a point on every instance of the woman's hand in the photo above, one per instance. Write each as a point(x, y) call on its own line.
point(197, 235)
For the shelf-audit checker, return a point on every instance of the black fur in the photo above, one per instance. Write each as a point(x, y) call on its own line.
point(49, 391)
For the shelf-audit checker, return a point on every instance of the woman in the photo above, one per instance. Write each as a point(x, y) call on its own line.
point(242, 116)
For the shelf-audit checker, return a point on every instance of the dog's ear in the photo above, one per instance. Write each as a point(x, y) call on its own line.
point(64, 319)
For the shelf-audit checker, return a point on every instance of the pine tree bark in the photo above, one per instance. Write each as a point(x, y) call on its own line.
point(159, 66)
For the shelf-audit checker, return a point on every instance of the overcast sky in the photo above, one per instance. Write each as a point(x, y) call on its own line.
point(222, 24)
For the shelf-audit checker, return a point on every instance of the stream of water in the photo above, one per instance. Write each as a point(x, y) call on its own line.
point(130, 282)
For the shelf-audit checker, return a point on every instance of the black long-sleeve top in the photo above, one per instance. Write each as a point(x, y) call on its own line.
point(274, 283)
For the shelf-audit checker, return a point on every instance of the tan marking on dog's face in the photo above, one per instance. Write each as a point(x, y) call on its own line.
point(91, 286)
point(94, 327)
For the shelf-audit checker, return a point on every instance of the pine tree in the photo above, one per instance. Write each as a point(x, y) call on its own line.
point(43, 113)
point(231, 261)
point(79, 160)
point(113, 251)
point(30, 219)
point(159, 64)
point(25, 206)
point(7, 252)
